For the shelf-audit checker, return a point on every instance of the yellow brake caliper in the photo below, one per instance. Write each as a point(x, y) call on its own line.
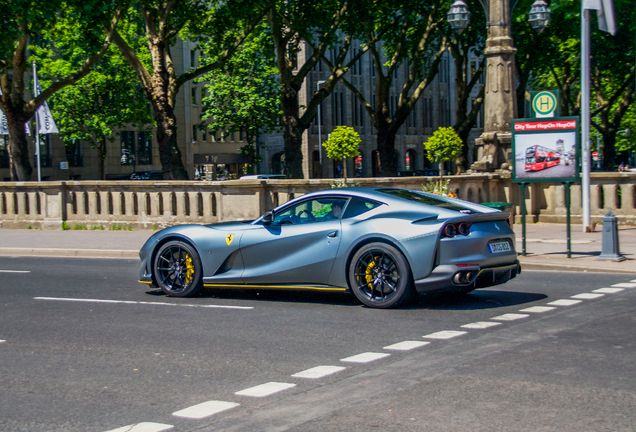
point(190, 267)
point(369, 276)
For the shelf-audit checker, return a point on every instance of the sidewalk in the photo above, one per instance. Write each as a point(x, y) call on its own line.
point(546, 247)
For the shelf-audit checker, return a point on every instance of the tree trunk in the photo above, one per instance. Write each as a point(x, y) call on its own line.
point(169, 153)
point(293, 134)
point(101, 147)
point(609, 150)
point(18, 149)
point(388, 165)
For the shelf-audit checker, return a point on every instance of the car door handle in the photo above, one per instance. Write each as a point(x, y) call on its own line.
point(333, 234)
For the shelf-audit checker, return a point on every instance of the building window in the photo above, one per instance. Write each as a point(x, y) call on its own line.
point(204, 132)
point(195, 133)
point(74, 154)
point(144, 148)
point(127, 147)
point(193, 58)
point(194, 96)
point(46, 160)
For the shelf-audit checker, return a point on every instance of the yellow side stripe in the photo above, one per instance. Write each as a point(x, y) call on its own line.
point(146, 282)
point(276, 287)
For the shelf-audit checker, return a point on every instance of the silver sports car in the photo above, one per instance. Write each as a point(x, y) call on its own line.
point(382, 244)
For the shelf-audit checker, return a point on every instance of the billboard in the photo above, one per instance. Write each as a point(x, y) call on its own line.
point(545, 150)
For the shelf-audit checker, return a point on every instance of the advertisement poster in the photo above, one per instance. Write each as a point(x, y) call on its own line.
point(546, 150)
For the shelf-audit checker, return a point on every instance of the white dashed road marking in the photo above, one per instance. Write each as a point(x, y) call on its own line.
point(365, 357)
point(538, 309)
point(15, 271)
point(564, 302)
point(143, 427)
point(205, 409)
point(406, 345)
point(2, 341)
point(319, 372)
point(625, 285)
point(265, 389)
point(480, 325)
point(608, 290)
point(445, 334)
point(510, 317)
point(587, 296)
point(142, 302)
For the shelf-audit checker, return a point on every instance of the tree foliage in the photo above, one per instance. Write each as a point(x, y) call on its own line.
point(244, 94)
point(344, 142)
point(53, 25)
point(444, 145)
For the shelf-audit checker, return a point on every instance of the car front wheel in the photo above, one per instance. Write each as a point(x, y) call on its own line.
point(177, 269)
point(380, 277)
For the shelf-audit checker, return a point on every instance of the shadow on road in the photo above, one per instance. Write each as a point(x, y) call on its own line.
point(479, 299)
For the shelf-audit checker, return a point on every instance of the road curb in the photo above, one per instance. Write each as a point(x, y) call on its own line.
point(534, 265)
point(70, 253)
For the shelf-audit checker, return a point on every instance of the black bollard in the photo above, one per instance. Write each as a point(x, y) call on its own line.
point(611, 248)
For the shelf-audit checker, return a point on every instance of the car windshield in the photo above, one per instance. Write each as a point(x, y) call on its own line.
point(425, 199)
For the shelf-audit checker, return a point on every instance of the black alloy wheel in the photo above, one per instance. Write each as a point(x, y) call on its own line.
point(177, 269)
point(380, 277)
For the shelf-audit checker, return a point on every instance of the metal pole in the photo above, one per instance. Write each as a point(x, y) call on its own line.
point(523, 219)
point(585, 115)
point(37, 125)
point(567, 218)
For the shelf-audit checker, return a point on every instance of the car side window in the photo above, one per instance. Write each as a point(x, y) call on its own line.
point(358, 206)
point(316, 210)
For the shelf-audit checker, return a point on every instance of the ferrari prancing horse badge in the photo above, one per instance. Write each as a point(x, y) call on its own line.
point(229, 238)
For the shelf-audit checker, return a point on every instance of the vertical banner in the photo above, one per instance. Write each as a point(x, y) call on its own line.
point(4, 128)
point(45, 119)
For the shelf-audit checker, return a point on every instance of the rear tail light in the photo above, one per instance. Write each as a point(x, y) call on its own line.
point(451, 230)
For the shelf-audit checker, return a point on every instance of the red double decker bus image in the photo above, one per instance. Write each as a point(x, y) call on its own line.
point(539, 158)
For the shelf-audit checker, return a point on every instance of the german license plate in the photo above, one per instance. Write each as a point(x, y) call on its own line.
point(499, 247)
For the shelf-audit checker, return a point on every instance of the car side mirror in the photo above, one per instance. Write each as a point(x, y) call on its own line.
point(268, 218)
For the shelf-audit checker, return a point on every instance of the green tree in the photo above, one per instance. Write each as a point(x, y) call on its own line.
point(612, 69)
point(444, 145)
point(463, 47)
point(218, 26)
point(292, 23)
point(51, 24)
point(344, 142)
point(244, 95)
point(106, 99)
point(399, 36)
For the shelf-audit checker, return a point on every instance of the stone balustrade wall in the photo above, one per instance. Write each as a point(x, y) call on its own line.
point(157, 204)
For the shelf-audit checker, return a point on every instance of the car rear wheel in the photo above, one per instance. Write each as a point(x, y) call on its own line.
point(177, 269)
point(380, 277)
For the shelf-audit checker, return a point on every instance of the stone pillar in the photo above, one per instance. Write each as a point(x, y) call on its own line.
point(500, 105)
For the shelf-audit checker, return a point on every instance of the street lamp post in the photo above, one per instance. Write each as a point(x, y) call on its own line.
point(500, 104)
point(318, 84)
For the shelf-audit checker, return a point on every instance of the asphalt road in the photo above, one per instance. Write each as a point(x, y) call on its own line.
point(124, 355)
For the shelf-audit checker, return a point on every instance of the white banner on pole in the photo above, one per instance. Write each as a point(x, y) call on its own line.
point(45, 119)
point(605, 12)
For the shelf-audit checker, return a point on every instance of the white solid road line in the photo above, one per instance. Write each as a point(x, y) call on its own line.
point(608, 290)
point(265, 389)
point(538, 309)
point(143, 427)
point(142, 302)
point(406, 345)
point(366, 357)
point(319, 372)
point(445, 334)
point(587, 296)
point(205, 409)
point(15, 271)
point(564, 302)
point(481, 325)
